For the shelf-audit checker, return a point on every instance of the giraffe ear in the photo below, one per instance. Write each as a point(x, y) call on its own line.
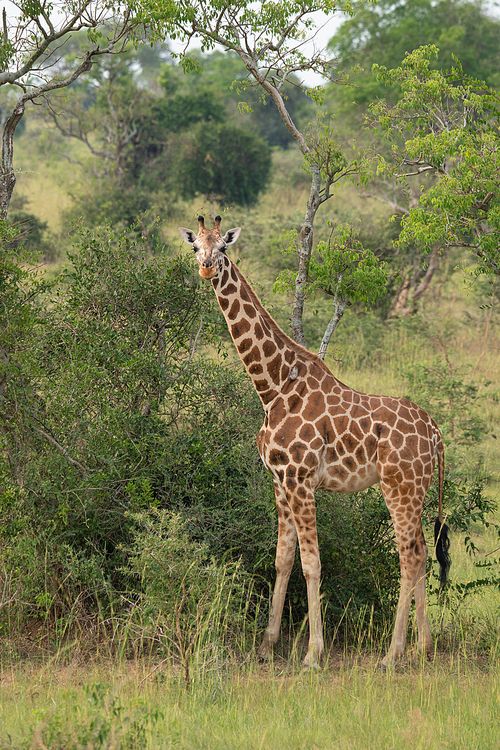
point(187, 235)
point(231, 235)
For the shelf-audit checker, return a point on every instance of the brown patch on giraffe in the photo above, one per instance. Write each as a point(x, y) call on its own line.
point(289, 356)
point(274, 369)
point(297, 451)
point(215, 282)
point(279, 341)
point(250, 311)
point(386, 415)
point(421, 428)
point(287, 432)
point(277, 413)
point(337, 471)
point(325, 428)
point(316, 371)
point(244, 294)
point(397, 439)
point(259, 333)
point(418, 467)
point(358, 411)
point(349, 463)
point(224, 278)
point(360, 455)
point(315, 406)
point(317, 443)
point(307, 432)
point(330, 455)
point(311, 460)
point(239, 328)
point(294, 403)
point(404, 427)
point(252, 356)
point(280, 474)
point(235, 308)
point(277, 458)
point(234, 275)
point(340, 424)
point(224, 303)
point(302, 492)
point(255, 369)
point(285, 372)
point(412, 444)
point(350, 442)
point(261, 385)
point(365, 424)
point(356, 431)
point(332, 400)
point(268, 397)
point(403, 413)
point(268, 347)
point(229, 289)
point(347, 396)
point(312, 383)
point(245, 345)
point(371, 446)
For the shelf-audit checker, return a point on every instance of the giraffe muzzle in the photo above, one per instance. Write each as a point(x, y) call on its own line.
point(207, 270)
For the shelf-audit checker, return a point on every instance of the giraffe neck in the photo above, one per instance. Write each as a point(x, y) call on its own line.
point(271, 358)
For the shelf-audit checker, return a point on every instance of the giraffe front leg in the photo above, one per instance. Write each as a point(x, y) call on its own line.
point(304, 510)
point(285, 555)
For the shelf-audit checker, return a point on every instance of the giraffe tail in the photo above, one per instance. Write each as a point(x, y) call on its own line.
point(441, 538)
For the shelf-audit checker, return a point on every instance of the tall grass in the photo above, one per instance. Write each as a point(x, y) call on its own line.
point(449, 703)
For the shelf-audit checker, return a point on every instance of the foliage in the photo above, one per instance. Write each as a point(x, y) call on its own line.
point(147, 148)
point(448, 122)
point(383, 33)
point(446, 392)
point(194, 602)
point(343, 269)
point(30, 51)
point(225, 164)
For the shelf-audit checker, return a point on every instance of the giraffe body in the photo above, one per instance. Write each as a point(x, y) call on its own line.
point(320, 434)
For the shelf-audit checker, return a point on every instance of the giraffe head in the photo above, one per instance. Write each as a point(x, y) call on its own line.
point(209, 245)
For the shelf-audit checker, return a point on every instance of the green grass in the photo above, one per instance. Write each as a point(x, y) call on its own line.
point(451, 703)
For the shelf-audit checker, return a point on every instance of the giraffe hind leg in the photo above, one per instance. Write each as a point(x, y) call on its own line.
point(412, 558)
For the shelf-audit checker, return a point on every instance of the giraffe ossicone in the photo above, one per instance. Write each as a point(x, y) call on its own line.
point(319, 433)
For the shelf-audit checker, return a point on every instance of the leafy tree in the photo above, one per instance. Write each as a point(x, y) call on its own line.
point(343, 269)
point(445, 125)
point(225, 164)
point(31, 58)
point(143, 145)
point(385, 32)
point(269, 40)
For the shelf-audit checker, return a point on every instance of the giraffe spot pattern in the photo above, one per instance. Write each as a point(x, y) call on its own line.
point(239, 328)
point(224, 303)
point(235, 308)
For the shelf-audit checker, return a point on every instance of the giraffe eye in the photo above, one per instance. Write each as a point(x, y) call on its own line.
point(195, 249)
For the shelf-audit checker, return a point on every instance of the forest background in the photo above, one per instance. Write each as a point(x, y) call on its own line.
point(134, 507)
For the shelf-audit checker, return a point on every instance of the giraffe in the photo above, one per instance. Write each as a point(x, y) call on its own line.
point(319, 433)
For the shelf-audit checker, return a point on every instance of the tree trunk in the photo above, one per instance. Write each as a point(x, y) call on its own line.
point(7, 174)
point(413, 288)
point(306, 237)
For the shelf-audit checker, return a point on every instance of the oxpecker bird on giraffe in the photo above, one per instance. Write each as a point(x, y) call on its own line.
point(320, 434)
